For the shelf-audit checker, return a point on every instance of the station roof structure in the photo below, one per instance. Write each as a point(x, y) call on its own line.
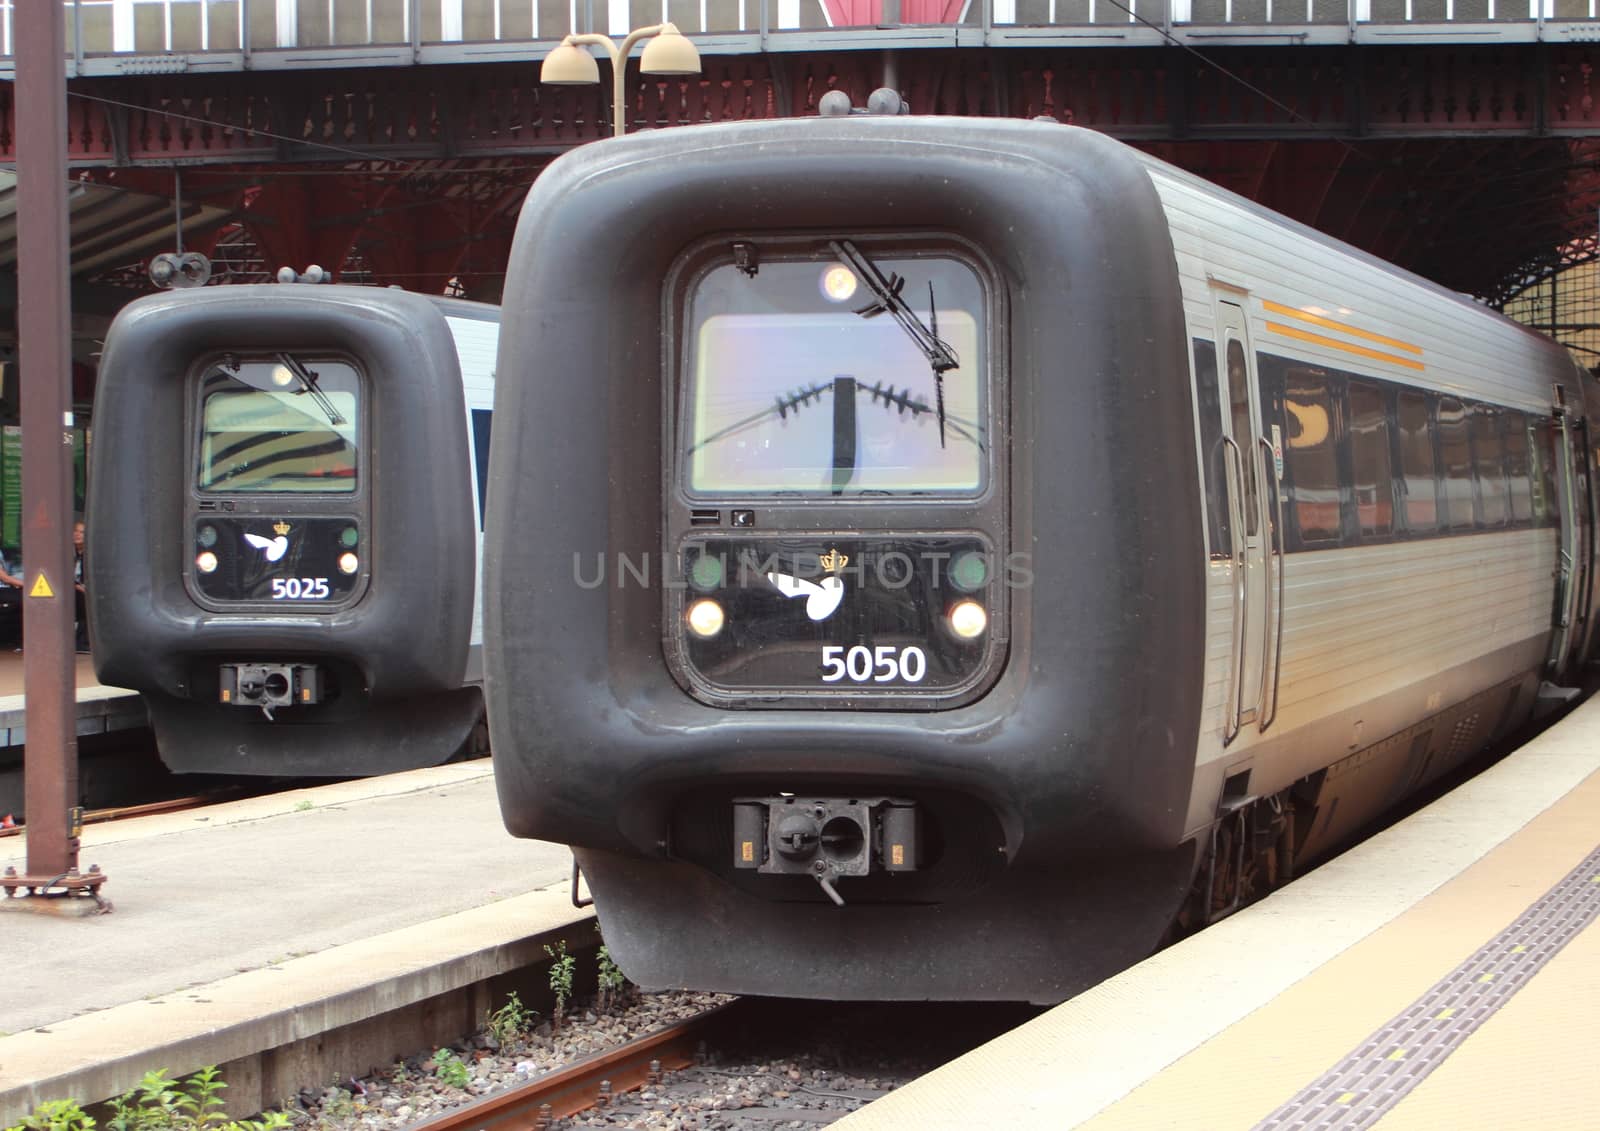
point(110, 226)
point(393, 141)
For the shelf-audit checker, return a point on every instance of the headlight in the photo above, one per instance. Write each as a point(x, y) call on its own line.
point(968, 620)
point(705, 618)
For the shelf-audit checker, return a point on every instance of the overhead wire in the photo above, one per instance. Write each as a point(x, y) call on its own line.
point(1230, 75)
point(414, 168)
point(164, 111)
point(1295, 114)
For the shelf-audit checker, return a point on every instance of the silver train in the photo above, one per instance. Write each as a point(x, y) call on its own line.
point(941, 555)
point(284, 525)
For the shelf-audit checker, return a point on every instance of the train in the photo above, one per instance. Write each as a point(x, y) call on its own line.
point(941, 558)
point(284, 525)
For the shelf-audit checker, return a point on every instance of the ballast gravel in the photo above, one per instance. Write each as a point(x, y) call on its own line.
point(792, 1091)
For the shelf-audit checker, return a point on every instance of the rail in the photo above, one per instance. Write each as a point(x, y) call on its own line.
point(145, 36)
point(587, 1083)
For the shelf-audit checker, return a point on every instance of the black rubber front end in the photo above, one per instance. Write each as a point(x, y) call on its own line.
point(1080, 755)
point(398, 643)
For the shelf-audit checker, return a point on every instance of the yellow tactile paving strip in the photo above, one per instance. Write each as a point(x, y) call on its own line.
point(1393, 1060)
point(1100, 1050)
point(1535, 1065)
point(1243, 1074)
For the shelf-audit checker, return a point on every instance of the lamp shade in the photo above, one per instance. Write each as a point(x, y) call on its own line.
point(569, 65)
point(670, 53)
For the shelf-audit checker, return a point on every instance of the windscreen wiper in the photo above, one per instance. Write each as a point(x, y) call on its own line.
point(889, 398)
point(887, 292)
point(308, 384)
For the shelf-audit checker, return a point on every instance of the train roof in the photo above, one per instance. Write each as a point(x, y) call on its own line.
point(1050, 143)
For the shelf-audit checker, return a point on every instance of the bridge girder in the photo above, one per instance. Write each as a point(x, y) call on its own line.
point(1461, 162)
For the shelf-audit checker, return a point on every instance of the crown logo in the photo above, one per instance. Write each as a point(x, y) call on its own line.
point(281, 527)
point(833, 561)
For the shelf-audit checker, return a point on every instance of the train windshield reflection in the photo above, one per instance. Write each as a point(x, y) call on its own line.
point(279, 424)
point(803, 380)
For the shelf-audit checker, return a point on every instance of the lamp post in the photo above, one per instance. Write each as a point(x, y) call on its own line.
point(669, 53)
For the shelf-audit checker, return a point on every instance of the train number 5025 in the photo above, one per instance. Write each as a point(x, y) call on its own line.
point(882, 664)
point(299, 588)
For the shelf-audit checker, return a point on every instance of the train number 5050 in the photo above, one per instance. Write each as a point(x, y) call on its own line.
point(882, 664)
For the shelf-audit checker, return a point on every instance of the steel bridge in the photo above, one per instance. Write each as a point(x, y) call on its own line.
point(393, 140)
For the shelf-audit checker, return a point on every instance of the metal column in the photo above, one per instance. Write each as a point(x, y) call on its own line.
point(52, 881)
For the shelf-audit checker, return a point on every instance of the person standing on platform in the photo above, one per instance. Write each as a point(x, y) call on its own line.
point(10, 603)
point(80, 594)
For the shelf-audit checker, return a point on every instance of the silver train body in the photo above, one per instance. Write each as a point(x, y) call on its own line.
point(1211, 538)
point(1433, 642)
point(285, 524)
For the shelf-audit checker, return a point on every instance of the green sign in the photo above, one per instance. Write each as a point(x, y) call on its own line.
point(11, 483)
point(11, 486)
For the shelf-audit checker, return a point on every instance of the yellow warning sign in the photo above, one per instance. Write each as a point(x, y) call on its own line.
point(41, 587)
point(747, 851)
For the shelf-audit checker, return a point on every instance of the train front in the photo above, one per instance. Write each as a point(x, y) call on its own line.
point(281, 555)
point(846, 565)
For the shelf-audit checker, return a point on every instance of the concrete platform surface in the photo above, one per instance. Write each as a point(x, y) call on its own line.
point(257, 921)
point(206, 893)
point(101, 709)
point(1441, 974)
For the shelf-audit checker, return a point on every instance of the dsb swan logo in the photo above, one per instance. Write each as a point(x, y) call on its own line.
point(822, 597)
point(272, 547)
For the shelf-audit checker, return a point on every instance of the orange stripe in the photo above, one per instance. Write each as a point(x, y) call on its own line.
point(1335, 343)
point(1329, 323)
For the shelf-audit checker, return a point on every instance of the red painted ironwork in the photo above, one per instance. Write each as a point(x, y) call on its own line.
point(500, 108)
point(406, 175)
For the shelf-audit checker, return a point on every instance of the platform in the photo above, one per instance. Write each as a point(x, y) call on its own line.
point(100, 709)
point(1445, 973)
point(244, 929)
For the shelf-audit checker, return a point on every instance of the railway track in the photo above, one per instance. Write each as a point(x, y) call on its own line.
point(747, 1065)
point(121, 812)
point(590, 1082)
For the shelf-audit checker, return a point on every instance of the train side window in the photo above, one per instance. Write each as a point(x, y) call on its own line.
point(1312, 454)
point(1455, 465)
point(1488, 452)
point(1542, 433)
point(1519, 474)
point(1243, 432)
point(1416, 463)
point(1211, 450)
point(1369, 447)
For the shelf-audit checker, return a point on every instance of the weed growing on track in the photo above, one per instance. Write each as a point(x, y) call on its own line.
point(562, 967)
point(156, 1103)
point(510, 1021)
point(448, 1067)
point(55, 1115)
point(612, 983)
point(160, 1103)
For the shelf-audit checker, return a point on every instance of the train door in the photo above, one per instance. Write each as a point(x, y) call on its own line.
point(1583, 473)
point(1250, 467)
point(1589, 460)
point(1572, 563)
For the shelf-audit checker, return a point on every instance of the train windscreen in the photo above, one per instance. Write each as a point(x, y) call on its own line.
point(837, 375)
point(279, 425)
